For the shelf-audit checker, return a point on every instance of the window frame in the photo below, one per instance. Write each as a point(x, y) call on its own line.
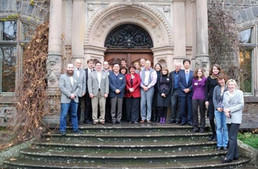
point(18, 43)
point(251, 46)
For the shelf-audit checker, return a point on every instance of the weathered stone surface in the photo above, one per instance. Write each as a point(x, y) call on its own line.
point(255, 11)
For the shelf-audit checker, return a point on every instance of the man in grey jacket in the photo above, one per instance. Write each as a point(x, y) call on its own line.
point(79, 74)
point(70, 89)
point(98, 86)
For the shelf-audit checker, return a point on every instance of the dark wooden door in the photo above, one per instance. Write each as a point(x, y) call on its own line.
point(130, 55)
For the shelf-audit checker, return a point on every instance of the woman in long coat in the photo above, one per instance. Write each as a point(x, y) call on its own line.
point(163, 86)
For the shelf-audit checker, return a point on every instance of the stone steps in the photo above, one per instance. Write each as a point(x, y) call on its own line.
point(124, 146)
point(208, 163)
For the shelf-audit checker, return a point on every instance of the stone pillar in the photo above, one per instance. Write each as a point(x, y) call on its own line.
point(179, 30)
point(78, 28)
point(202, 57)
point(54, 61)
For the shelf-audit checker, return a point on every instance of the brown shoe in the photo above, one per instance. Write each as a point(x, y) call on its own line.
point(142, 121)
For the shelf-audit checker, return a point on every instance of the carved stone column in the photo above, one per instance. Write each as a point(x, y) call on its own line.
point(179, 30)
point(78, 28)
point(54, 61)
point(202, 57)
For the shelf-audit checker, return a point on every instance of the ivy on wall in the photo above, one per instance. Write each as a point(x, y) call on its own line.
point(223, 39)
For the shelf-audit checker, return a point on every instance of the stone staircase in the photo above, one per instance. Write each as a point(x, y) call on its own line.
point(124, 146)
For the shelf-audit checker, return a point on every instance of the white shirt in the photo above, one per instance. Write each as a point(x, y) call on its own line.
point(78, 72)
point(71, 79)
point(99, 78)
point(147, 76)
point(89, 71)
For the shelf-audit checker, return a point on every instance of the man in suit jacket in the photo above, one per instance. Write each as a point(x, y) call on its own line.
point(117, 87)
point(88, 106)
point(70, 89)
point(98, 85)
point(79, 74)
point(185, 94)
point(174, 76)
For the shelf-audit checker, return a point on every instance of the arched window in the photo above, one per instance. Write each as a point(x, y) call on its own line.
point(128, 36)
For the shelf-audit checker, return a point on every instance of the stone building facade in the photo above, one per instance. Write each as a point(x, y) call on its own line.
point(79, 29)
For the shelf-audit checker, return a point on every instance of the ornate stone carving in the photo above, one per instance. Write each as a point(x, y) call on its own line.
point(105, 20)
point(54, 63)
point(6, 114)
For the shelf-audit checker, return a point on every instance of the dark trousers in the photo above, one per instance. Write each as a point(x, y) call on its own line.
point(155, 116)
point(108, 117)
point(132, 109)
point(233, 148)
point(175, 115)
point(211, 115)
point(198, 104)
point(88, 109)
point(79, 109)
point(162, 111)
point(185, 106)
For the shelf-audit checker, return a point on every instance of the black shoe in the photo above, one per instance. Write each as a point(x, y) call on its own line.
point(178, 122)
point(183, 123)
point(225, 148)
point(63, 133)
point(225, 160)
point(86, 121)
point(190, 123)
point(201, 130)
point(195, 129)
point(77, 132)
point(211, 138)
point(118, 122)
point(236, 158)
point(172, 121)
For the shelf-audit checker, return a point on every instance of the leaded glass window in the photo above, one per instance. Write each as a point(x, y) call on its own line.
point(128, 36)
point(8, 68)
point(8, 30)
point(246, 60)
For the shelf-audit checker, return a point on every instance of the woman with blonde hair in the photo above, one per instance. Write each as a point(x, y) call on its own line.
point(233, 102)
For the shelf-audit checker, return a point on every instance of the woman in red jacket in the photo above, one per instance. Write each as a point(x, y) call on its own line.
point(132, 94)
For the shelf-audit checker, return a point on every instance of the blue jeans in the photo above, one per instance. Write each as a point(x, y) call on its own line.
point(146, 103)
point(64, 110)
point(221, 129)
point(185, 108)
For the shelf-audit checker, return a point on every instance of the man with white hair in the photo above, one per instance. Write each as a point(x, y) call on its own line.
point(142, 63)
point(174, 76)
point(79, 74)
point(70, 88)
point(148, 80)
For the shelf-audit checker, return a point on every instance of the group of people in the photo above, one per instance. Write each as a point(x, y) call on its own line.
point(140, 93)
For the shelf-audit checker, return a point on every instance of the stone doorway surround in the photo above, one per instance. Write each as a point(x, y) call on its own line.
point(129, 13)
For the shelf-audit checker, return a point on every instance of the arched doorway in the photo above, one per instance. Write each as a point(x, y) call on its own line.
point(129, 42)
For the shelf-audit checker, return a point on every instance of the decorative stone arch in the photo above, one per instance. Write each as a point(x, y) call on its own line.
point(144, 16)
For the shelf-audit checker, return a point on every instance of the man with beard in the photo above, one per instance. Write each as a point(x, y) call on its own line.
point(70, 88)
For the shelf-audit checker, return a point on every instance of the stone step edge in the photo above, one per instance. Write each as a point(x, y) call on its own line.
point(126, 136)
point(125, 146)
point(44, 165)
point(65, 155)
point(131, 127)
